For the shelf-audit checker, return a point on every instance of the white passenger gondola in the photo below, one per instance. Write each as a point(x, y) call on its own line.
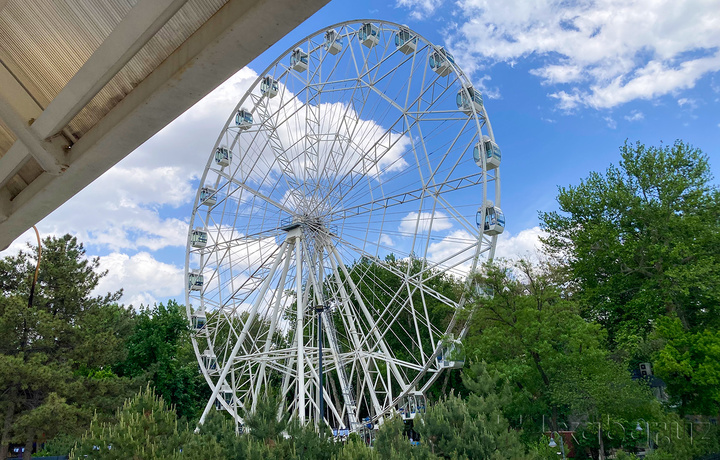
point(414, 403)
point(493, 156)
point(198, 319)
point(198, 238)
point(452, 354)
point(269, 87)
point(243, 119)
point(195, 280)
point(469, 100)
point(494, 219)
point(333, 43)
point(226, 394)
point(405, 41)
point(299, 60)
point(208, 196)
point(441, 61)
point(223, 156)
point(209, 360)
point(369, 34)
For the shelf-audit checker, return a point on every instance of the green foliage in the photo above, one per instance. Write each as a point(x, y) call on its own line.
point(391, 442)
point(534, 336)
point(690, 365)
point(55, 348)
point(264, 424)
point(476, 427)
point(159, 350)
point(145, 428)
point(642, 240)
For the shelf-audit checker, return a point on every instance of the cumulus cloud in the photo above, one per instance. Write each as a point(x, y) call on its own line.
point(606, 52)
point(420, 9)
point(635, 116)
point(143, 279)
point(526, 244)
point(440, 221)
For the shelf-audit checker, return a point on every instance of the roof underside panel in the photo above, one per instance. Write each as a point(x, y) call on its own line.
point(66, 66)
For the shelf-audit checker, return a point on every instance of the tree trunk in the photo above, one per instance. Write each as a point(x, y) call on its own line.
point(9, 413)
point(27, 453)
point(601, 445)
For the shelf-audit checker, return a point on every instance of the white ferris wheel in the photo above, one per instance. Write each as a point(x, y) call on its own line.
point(339, 211)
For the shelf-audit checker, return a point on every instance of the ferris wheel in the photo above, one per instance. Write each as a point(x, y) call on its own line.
point(349, 195)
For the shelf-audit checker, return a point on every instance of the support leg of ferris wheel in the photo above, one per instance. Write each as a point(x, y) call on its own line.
point(299, 325)
point(331, 335)
point(355, 335)
point(273, 322)
point(243, 334)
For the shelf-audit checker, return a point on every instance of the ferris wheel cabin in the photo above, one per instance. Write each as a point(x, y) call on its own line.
point(223, 156)
point(198, 318)
point(413, 404)
point(333, 43)
point(195, 280)
point(469, 100)
point(452, 354)
point(492, 153)
point(208, 196)
point(269, 87)
point(494, 220)
point(299, 60)
point(441, 61)
point(243, 119)
point(226, 394)
point(369, 34)
point(209, 360)
point(405, 42)
point(198, 238)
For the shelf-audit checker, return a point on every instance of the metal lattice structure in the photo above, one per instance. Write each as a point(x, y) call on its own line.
point(352, 175)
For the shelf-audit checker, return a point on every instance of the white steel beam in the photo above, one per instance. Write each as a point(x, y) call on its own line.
point(243, 334)
point(299, 330)
point(229, 40)
point(138, 26)
point(50, 156)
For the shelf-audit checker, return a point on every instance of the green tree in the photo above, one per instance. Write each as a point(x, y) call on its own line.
point(56, 349)
point(160, 351)
point(145, 427)
point(533, 335)
point(690, 365)
point(642, 241)
point(476, 427)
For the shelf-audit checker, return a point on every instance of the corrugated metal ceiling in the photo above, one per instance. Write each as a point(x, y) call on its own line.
point(46, 42)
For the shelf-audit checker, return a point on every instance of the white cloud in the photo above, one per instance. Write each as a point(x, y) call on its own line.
point(608, 52)
point(525, 244)
point(143, 278)
point(386, 240)
point(440, 221)
point(635, 116)
point(690, 103)
point(611, 123)
point(420, 9)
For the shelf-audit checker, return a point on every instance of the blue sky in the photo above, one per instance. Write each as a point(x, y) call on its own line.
point(565, 83)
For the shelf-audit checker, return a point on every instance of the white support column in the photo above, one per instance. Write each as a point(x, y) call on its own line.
point(243, 333)
point(273, 323)
point(299, 326)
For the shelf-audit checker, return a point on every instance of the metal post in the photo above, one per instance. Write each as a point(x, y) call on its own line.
point(321, 405)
